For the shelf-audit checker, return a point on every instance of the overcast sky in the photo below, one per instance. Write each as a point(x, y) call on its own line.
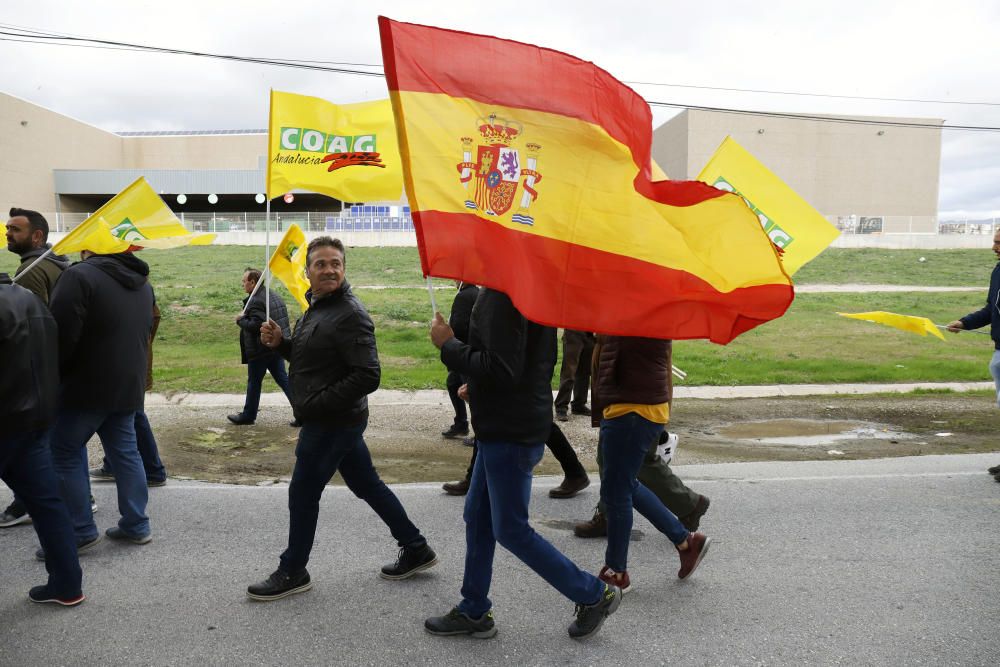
point(872, 48)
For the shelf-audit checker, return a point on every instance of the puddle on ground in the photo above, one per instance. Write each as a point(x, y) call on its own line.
point(809, 432)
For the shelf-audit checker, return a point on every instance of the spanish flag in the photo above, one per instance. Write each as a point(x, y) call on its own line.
point(134, 219)
point(529, 171)
point(288, 264)
point(345, 151)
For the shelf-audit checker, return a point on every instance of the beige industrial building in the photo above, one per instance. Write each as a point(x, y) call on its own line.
point(865, 178)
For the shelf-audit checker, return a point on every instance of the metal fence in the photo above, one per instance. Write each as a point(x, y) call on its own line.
point(396, 218)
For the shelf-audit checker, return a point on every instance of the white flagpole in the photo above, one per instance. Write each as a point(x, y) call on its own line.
point(33, 264)
point(267, 258)
point(430, 290)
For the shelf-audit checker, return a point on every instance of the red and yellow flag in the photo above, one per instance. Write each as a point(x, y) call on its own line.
point(529, 171)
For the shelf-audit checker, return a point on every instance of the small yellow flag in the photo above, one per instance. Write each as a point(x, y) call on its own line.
point(288, 264)
point(347, 151)
point(911, 323)
point(135, 218)
point(790, 222)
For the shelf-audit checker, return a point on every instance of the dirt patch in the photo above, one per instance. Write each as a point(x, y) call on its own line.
point(187, 310)
point(407, 446)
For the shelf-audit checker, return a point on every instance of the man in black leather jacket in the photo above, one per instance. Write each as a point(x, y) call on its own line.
point(333, 366)
point(29, 386)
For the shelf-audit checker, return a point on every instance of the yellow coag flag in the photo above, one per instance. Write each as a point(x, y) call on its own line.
point(346, 151)
point(911, 323)
point(288, 264)
point(791, 223)
point(134, 219)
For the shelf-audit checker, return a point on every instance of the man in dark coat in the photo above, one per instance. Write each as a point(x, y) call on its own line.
point(333, 366)
point(988, 314)
point(104, 309)
point(258, 358)
point(27, 236)
point(509, 363)
point(29, 387)
point(461, 312)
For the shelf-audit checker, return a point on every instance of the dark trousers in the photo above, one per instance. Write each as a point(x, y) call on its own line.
point(256, 368)
point(560, 448)
point(26, 467)
point(320, 452)
point(657, 476)
point(148, 451)
point(574, 376)
point(453, 382)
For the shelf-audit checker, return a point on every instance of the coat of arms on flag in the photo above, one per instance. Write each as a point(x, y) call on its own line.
point(498, 169)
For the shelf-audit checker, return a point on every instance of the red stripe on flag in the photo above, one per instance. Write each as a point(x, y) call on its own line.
point(595, 290)
point(491, 70)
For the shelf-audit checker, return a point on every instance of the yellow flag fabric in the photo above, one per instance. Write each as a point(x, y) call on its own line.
point(288, 264)
point(134, 219)
point(911, 323)
point(345, 151)
point(790, 222)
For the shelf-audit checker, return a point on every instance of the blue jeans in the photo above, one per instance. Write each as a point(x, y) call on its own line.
point(320, 452)
point(148, 451)
point(256, 368)
point(624, 442)
point(496, 510)
point(116, 430)
point(26, 467)
point(995, 372)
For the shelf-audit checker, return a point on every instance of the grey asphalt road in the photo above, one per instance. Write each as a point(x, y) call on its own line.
point(888, 562)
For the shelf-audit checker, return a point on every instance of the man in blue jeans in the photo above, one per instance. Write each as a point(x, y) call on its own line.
point(508, 362)
point(631, 397)
point(104, 309)
point(333, 363)
point(30, 381)
point(258, 358)
point(988, 314)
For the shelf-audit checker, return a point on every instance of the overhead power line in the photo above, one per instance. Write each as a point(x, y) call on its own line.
point(10, 33)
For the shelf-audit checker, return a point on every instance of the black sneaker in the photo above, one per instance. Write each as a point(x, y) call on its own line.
point(456, 431)
point(994, 470)
point(279, 585)
point(83, 546)
point(562, 416)
point(43, 594)
point(457, 623)
point(116, 533)
point(410, 562)
point(101, 474)
point(590, 617)
point(580, 410)
point(240, 420)
point(14, 515)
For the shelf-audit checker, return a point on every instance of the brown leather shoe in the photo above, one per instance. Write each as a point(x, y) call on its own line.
point(569, 487)
point(459, 488)
point(596, 527)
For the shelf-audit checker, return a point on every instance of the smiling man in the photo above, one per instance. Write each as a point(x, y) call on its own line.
point(333, 366)
point(988, 314)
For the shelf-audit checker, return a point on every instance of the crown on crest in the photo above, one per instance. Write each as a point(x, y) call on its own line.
point(499, 130)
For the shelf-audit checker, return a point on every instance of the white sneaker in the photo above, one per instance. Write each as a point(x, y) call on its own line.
point(667, 449)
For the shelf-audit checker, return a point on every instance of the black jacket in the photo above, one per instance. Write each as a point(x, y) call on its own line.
point(29, 362)
point(250, 346)
point(104, 309)
point(989, 314)
point(333, 361)
point(508, 362)
point(461, 310)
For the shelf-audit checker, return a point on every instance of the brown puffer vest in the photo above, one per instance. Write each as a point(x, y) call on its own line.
point(629, 370)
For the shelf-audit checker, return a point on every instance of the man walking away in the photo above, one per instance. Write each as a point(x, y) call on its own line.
point(29, 349)
point(104, 309)
point(458, 320)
